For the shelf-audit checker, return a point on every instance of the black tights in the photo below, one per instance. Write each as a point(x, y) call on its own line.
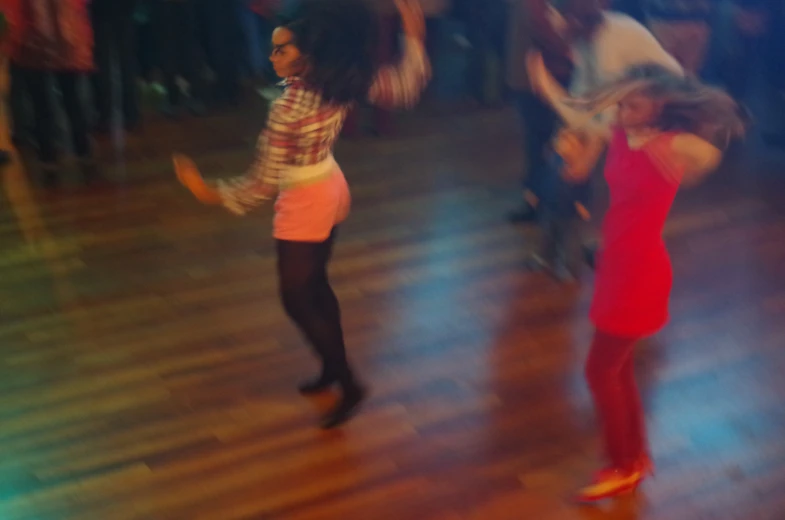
point(311, 303)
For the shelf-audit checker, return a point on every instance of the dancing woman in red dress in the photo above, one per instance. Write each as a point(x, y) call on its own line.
point(659, 140)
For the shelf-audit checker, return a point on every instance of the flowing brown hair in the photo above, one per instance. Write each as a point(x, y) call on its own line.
point(687, 104)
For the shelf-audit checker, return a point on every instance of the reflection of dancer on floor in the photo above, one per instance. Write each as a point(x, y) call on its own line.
point(653, 149)
point(324, 50)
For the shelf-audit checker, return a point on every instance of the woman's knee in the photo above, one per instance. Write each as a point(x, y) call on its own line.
point(295, 297)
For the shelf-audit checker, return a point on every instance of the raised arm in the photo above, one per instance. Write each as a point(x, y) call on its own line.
point(585, 121)
point(581, 143)
point(686, 158)
point(401, 85)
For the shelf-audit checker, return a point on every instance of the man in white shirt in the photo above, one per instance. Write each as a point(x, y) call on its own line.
point(605, 44)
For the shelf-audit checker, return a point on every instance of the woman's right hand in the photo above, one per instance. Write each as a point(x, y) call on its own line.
point(412, 18)
point(189, 176)
point(572, 147)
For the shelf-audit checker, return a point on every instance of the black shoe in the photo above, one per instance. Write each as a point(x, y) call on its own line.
point(345, 409)
point(317, 385)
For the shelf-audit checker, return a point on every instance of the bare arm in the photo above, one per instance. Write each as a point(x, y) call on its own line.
point(585, 136)
point(685, 159)
point(544, 83)
point(401, 85)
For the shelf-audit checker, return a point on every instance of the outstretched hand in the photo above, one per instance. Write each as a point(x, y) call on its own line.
point(188, 174)
point(412, 18)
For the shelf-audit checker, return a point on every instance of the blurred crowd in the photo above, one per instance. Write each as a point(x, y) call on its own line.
point(189, 57)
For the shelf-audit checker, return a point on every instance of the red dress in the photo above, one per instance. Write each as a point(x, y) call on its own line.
point(633, 279)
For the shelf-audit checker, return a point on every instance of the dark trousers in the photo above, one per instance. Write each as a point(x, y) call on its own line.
point(113, 26)
point(558, 215)
point(39, 89)
point(538, 122)
point(310, 302)
point(223, 31)
point(147, 50)
point(175, 24)
point(484, 23)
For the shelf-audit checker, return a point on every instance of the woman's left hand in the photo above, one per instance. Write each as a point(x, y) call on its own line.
point(189, 176)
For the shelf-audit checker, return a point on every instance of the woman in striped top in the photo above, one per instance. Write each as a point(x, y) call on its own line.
point(324, 50)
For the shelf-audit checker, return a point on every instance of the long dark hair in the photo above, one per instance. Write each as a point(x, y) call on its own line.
point(338, 38)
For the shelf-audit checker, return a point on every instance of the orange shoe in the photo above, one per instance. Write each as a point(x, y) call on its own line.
point(645, 466)
point(609, 483)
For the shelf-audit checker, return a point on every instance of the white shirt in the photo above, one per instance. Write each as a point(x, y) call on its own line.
point(619, 43)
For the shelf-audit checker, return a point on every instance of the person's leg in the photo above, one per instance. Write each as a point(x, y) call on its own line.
point(74, 109)
point(310, 302)
point(223, 47)
point(22, 127)
point(169, 31)
point(125, 33)
point(38, 88)
point(608, 370)
point(637, 442)
point(188, 54)
point(102, 12)
point(537, 123)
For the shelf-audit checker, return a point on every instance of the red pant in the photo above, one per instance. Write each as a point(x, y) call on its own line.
point(611, 375)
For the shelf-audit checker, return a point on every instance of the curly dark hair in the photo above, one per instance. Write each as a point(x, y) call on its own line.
point(338, 38)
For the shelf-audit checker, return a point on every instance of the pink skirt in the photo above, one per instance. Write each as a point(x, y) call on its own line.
point(308, 213)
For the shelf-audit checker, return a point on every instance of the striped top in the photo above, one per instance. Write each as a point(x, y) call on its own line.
point(302, 128)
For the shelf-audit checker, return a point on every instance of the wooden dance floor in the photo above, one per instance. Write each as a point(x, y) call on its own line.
point(148, 372)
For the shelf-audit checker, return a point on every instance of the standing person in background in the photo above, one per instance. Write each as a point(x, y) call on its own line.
point(147, 52)
point(751, 22)
point(223, 31)
point(683, 28)
point(603, 45)
point(57, 42)
point(115, 45)
point(10, 32)
point(484, 23)
point(776, 73)
point(175, 23)
point(533, 24)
